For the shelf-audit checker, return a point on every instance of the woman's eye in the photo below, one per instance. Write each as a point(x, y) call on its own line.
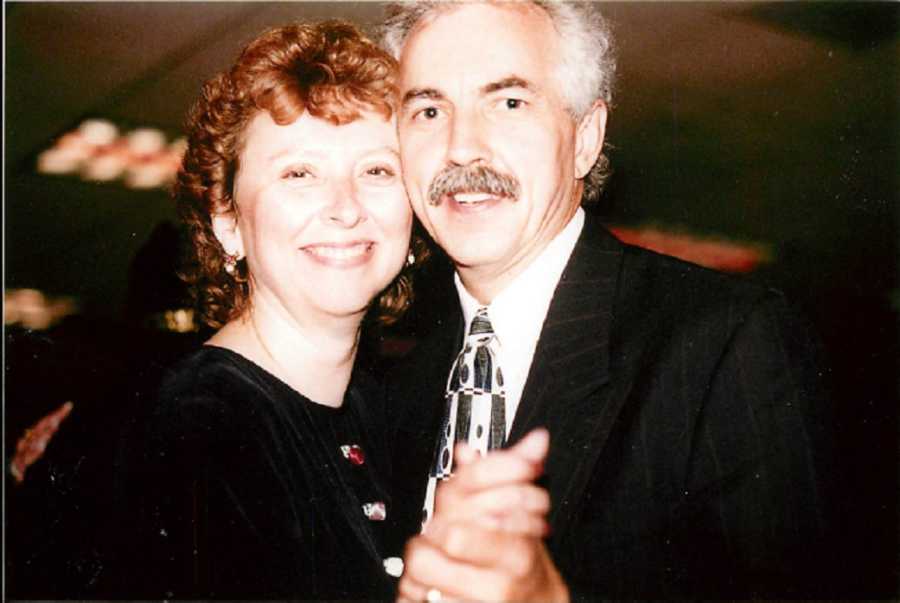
point(514, 103)
point(297, 173)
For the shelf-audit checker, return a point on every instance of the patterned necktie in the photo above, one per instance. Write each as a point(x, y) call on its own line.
point(475, 411)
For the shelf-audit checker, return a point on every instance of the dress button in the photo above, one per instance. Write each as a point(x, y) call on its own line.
point(393, 566)
point(353, 453)
point(375, 511)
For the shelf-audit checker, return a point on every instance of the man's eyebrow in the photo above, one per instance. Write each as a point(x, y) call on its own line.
point(512, 81)
point(420, 93)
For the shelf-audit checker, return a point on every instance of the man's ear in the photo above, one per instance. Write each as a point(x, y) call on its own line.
point(589, 138)
point(228, 232)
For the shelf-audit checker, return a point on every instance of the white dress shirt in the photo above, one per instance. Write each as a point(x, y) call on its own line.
point(518, 312)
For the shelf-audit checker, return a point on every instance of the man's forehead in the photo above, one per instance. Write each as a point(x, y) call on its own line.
point(485, 44)
point(501, 84)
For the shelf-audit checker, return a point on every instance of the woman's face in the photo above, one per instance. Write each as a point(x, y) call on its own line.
point(323, 217)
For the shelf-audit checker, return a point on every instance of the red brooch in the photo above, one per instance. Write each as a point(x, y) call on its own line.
point(353, 453)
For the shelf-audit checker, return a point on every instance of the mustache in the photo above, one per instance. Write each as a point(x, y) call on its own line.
point(470, 179)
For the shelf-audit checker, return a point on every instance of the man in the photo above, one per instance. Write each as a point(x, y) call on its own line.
point(681, 403)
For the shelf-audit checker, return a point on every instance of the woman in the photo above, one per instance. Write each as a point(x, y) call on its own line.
point(258, 472)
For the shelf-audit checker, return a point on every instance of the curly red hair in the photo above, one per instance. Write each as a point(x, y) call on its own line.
point(329, 69)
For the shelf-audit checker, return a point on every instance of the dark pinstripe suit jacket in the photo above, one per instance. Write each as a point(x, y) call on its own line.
point(686, 420)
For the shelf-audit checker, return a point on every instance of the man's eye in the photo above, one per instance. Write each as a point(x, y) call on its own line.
point(380, 170)
point(514, 103)
point(427, 113)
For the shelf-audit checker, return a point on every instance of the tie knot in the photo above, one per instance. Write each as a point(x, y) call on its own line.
point(481, 324)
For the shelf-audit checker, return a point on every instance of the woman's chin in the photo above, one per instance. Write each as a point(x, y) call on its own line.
point(346, 306)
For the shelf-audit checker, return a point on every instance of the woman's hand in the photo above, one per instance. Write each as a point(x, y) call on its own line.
point(485, 540)
point(497, 491)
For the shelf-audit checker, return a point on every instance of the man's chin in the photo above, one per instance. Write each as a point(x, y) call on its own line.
point(475, 257)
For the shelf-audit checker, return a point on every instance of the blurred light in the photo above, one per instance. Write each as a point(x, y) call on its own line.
point(711, 252)
point(177, 320)
point(146, 141)
point(180, 320)
point(107, 163)
point(34, 310)
point(150, 173)
point(98, 132)
point(97, 150)
point(59, 161)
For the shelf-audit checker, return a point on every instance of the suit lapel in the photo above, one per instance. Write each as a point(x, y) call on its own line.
point(566, 390)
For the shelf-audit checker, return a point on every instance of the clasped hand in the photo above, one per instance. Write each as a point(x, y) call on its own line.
point(485, 540)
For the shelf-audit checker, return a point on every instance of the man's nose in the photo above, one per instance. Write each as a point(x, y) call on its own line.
point(467, 144)
point(344, 208)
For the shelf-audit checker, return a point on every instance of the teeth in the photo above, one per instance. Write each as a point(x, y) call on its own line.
point(471, 197)
point(338, 253)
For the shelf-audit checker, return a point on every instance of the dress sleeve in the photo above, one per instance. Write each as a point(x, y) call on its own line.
point(163, 485)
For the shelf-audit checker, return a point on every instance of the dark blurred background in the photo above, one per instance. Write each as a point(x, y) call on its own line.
point(771, 126)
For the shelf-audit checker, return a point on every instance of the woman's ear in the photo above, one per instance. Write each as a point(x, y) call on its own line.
point(228, 232)
point(589, 138)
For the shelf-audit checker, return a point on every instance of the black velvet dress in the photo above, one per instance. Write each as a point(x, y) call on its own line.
point(236, 486)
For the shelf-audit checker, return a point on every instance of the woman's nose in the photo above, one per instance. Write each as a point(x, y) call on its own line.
point(345, 210)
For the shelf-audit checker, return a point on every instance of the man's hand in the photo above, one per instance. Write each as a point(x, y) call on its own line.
point(485, 539)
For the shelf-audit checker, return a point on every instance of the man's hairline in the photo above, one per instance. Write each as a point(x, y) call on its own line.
point(442, 8)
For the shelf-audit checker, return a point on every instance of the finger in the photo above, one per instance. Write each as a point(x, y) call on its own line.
point(499, 467)
point(522, 462)
point(534, 446)
point(487, 549)
point(428, 565)
point(527, 497)
point(464, 455)
point(410, 589)
point(516, 522)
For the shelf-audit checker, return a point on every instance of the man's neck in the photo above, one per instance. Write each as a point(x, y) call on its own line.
point(486, 282)
point(483, 285)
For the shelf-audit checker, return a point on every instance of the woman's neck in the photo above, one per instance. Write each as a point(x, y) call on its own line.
point(314, 357)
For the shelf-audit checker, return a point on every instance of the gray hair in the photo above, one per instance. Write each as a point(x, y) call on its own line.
point(588, 66)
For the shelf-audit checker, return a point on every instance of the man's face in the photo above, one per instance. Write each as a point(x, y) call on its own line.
point(480, 99)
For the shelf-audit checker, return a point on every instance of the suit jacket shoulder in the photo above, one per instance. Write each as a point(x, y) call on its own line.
point(687, 422)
